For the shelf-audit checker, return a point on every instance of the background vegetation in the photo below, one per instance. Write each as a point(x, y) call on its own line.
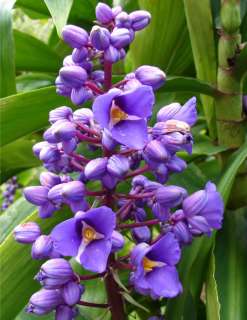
point(200, 46)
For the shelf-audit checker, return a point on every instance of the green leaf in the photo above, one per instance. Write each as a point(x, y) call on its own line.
point(27, 112)
point(59, 10)
point(33, 8)
point(18, 269)
point(187, 84)
point(7, 56)
point(212, 300)
point(200, 25)
point(128, 298)
point(32, 81)
point(163, 43)
point(207, 148)
point(11, 217)
point(34, 55)
point(231, 258)
point(234, 162)
point(15, 157)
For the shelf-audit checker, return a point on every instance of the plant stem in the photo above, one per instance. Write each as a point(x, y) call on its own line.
point(93, 87)
point(137, 172)
point(108, 75)
point(230, 127)
point(115, 299)
point(92, 276)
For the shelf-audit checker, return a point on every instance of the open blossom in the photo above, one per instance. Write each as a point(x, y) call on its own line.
point(125, 114)
point(155, 272)
point(87, 237)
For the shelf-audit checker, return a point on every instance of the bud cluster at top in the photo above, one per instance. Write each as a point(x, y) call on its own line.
point(116, 130)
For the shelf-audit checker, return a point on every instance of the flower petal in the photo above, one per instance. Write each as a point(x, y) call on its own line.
point(138, 102)
point(166, 250)
point(164, 282)
point(101, 107)
point(95, 255)
point(102, 219)
point(66, 238)
point(131, 133)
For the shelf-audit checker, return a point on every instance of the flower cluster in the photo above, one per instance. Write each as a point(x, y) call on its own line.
point(117, 126)
point(9, 193)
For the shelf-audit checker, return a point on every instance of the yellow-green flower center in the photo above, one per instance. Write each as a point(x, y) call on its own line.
point(88, 234)
point(148, 264)
point(117, 114)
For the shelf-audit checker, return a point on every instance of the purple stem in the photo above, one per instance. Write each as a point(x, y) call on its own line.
point(108, 75)
point(92, 276)
point(137, 172)
point(86, 138)
point(135, 196)
point(85, 128)
point(93, 87)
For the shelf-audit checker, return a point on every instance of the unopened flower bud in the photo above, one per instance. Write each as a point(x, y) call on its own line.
point(176, 164)
point(95, 168)
point(150, 76)
point(73, 191)
point(193, 204)
point(104, 13)
point(170, 196)
point(49, 179)
point(100, 38)
point(69, 146)
point(140, 214)
point(117, 241)
point(139, 181)
point(156, 151)
point(57, 269)
point(36, 195)
point(141, 234)
point(72, 292)
point(76, 37)
point(37, 147)
point(118, 166)
point(122, 20)
point(120, 37)
point(139, 19)
point(111, 54)
point(73, 76)
point(83, 115)
point(44, 301)
point(80, 95)
point(182, 233)
point(78, 55)
point(64, 312)
point(55, 193)
point(61, 113)
point(27, 232)
point(98, 76)
point(160, 212)
point(42, 247)
point(49, 153)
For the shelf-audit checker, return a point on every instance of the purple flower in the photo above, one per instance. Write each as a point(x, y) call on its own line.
point(100, 38)
point(204, 210)
point(42, 248)
point(75, 36)
point(120, 37)
point(60, 113)
point(186, 113)
point(139, 19)
point(104, 13)
point(64, 312)
point(124, 114)
point(87, 237)
point(150, 76)
point(73, 76)
point(27, 232)
point(117, 241)
point(72, 292)
point(155, 272)
point(44, 301)
point(55, 273)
